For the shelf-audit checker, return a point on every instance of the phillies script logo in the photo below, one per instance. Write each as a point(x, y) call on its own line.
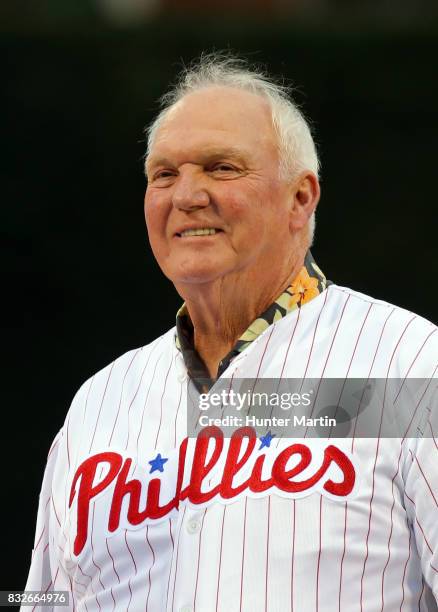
point(214, 470)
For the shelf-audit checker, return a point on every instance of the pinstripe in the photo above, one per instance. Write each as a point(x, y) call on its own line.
point(146, 400)
point(198, 563)
point(86, 400)
point(267, 555)
point(335, 334)
point(68, 444)
point(264, 351)
point(121, 395)
point(112, 561)
point(93, 560)
point(220, 558)
point(44, 528)
point(343, 556)
point(406, 565)
point(161, 404)
point(319, 555)
point(243, 554)
point(392, 526)
point(54, 510)
point(290, 343)
point(150, 567)
point(170, 568)
point(293, 559)
point(177, 556)
point(101, 404)
point(112, 597)
point(135, 568)
point(314, 334)
point(176, 413)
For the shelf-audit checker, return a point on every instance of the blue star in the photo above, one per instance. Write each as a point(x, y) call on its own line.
point(157, 464)
point(266, 440)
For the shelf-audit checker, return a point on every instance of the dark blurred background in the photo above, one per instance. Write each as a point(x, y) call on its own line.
point(80, 81)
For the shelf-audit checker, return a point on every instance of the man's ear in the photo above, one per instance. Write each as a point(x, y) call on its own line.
point(305, 198)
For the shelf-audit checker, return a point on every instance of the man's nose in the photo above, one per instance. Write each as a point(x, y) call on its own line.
point(189, 192)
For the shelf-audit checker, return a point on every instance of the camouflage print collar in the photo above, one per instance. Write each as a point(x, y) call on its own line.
point(309, 283)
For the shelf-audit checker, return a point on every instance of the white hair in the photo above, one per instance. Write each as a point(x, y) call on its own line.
point(297, 150)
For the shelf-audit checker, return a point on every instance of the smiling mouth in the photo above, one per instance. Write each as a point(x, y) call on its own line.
point(205, 231)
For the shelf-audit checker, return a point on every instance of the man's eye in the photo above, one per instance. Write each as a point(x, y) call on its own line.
point(223, 168)
point(163, 174)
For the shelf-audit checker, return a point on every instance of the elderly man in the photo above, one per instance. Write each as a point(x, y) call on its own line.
point(135, 514)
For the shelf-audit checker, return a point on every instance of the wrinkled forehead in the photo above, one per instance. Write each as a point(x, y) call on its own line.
point(221, 115)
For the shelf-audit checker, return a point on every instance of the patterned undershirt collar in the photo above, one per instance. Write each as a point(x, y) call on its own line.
point(309, 283)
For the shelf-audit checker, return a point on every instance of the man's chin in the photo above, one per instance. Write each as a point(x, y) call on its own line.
point(195, 279)
point(196, 275)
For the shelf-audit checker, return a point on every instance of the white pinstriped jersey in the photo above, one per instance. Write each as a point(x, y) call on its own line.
point(112, 531)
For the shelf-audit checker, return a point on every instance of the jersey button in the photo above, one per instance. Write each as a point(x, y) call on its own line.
point(193, 526)
point(182, 378)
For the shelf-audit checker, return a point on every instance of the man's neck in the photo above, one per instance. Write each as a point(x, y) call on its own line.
point(222, 311)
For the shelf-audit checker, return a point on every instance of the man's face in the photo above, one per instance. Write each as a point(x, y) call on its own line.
point(214, 166)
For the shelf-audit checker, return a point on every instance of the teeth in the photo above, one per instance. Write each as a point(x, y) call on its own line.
point(207, 231)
